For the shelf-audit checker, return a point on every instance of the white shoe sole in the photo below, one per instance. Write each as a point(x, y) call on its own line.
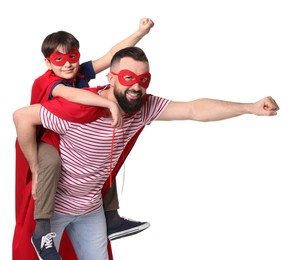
point(128, 232)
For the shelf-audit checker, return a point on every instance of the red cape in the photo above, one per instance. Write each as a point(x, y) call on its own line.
point(24, 203)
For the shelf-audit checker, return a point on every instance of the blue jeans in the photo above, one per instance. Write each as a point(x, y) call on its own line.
point(87, 233)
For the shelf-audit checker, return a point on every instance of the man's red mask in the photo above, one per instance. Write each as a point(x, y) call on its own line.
point(128, 78)
point(59, 59)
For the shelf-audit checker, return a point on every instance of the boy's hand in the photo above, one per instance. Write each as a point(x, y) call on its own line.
point(116, 115)
point(34, 184)
point(145, 25)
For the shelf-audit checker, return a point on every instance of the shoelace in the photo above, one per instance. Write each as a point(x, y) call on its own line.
point(47, 240)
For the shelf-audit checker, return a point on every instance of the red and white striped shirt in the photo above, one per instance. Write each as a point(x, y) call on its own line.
point(86, 153)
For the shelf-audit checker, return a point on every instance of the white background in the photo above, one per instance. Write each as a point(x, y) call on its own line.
point(219, 190)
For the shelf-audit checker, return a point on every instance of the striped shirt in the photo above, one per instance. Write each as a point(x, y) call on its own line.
point(86, 153)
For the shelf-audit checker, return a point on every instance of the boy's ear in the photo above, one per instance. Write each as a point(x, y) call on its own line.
point(48, 64)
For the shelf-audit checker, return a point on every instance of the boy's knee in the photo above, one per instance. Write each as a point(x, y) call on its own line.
point(53, 162)
point(49, 157)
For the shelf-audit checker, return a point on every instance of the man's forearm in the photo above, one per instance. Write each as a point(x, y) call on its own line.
point(25, 120)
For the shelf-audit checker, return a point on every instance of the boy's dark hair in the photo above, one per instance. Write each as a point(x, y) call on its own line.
point(135, 53)
point(59, 39)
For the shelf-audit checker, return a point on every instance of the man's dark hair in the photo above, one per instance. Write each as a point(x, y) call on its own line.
point(135, 53)
point(59, 39)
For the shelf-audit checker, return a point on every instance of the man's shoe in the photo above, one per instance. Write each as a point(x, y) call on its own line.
point(128, 227)
point(45, 247)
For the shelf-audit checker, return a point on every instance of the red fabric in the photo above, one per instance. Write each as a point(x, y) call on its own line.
point(24, 203)
point(42, 86)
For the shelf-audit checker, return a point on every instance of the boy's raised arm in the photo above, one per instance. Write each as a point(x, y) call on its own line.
point(103, 63)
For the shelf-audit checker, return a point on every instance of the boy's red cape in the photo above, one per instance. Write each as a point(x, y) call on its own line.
point(24, 203)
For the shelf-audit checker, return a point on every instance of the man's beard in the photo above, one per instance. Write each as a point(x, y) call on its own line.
point(129, 107)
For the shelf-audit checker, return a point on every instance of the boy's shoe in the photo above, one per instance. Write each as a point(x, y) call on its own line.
point(128, 227)
point(45, 247)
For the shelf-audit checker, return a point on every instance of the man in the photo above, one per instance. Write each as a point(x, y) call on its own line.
point(104, 148)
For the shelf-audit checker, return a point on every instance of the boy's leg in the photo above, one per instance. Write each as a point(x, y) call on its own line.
point(48, 177)
point(110, 199)
point(118, 227)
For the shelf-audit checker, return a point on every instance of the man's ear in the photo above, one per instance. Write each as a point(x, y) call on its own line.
point(48, 64)
point(110, 78)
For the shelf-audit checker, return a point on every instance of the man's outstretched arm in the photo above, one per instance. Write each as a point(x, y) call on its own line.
point(206, 109)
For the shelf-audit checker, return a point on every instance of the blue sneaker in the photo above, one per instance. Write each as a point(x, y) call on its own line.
point(128, 227)
point(45, 247)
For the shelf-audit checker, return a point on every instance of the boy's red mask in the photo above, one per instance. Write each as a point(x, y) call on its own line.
point(59, 59)
point(128, 78)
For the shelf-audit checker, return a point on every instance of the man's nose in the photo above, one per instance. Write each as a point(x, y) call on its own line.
point(136, 86)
